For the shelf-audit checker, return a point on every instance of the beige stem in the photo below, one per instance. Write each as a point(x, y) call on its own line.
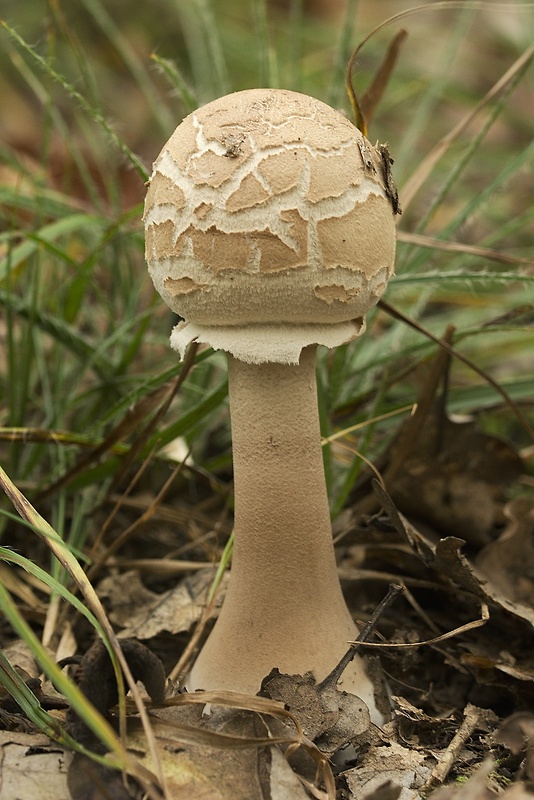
point(284, 607)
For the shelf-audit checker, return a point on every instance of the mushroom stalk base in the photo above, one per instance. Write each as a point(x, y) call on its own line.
point(284, 607)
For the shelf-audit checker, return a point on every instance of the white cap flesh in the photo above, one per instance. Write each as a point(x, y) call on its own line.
point(268, 226)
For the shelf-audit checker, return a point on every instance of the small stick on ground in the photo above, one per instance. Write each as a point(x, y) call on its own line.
point(450, 754)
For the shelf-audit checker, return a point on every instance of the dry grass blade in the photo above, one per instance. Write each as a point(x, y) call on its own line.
point(364, 109)
point(396, 314)
point(173, 514)
point(194, 736)
point(152, 425)
point(371, 421)
point(264, 706)
point(427, 165)
point(158, 400)
point(372, 97)
point(52, 540)
point(357, 108)
point(159, 566)
point(459, 247)
point(469, 626)
point(191, 735)
point(17, 586)
point(442, 5)
point(417, 420)
point(123, 537)
point(44, 436)
point(129, 422)
point(244, 702)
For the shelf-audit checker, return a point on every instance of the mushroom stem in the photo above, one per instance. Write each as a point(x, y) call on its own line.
point(284, 607)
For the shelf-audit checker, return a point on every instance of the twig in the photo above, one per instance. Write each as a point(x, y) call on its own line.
point(333, 677)
point(451, 753)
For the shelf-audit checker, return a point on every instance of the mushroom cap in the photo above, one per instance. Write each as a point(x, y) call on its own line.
point(268, 226)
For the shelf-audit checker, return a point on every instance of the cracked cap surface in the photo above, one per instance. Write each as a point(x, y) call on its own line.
point(267, 225)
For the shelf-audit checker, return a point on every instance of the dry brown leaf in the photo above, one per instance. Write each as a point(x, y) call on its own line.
point(475, 718)
point(226, 723)
point(387, 791)
point(478, 788)
point(143, 614)
point(393, 765)
point(32, 768)
point(329, 717)
point(284, 784)
point(508, 562)
point(373, 95)
point(417, 730)
point(519, 791)
point(20, 656)
point(517, 734)
point(443, 472)
point(15, 581)
point(228, 755)
point(448, 561)
point(452, 477)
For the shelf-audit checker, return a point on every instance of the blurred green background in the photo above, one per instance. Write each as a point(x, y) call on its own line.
point(90, 92)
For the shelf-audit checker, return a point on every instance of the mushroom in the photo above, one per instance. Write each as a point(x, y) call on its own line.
point(269, 230)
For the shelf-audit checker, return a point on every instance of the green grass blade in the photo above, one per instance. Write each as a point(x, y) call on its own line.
point(130, 58)
point(345, 46)
point(205, 50)
point(48, 724)
point(511, 169)
point(100, 727)
point(29, 703)
point(439, 78)
point(120, 665)
point(473, 146)
point(67, 335)
point(463, 278)
point(192, 419)
point(46, 236)
point(215, 48)
point(295, 50)
point(11, 557)
point(92, 112)
point(173, 74)
point(268, 67)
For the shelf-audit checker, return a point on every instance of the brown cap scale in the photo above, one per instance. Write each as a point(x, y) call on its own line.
point(269, 230)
